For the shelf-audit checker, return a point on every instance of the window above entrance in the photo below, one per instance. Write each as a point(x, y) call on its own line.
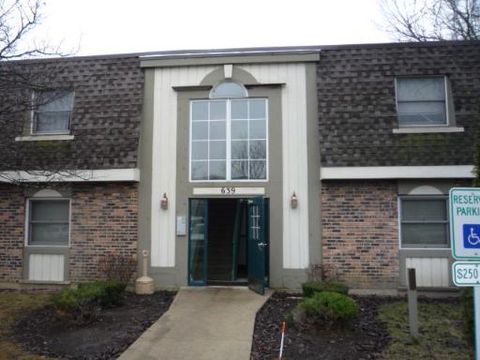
point(228, 136)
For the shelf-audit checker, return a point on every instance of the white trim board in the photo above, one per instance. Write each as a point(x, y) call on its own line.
point(398, 172)
point(71, 176)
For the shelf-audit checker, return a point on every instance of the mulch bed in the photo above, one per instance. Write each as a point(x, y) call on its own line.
point(364, 338)
point(43, 332)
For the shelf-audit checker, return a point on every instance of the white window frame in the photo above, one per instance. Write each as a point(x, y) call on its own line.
point(27, 221)
point(35, 111)
point(447, 109)
point(228, 140)
point(422, 246)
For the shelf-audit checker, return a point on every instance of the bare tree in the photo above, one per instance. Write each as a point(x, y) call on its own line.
point(18, 19)
point(431, 20)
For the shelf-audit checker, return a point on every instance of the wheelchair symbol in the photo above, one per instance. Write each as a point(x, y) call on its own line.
point(471, 237)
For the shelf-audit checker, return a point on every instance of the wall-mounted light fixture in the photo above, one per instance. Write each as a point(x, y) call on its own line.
point(164, 201)
point(293, 201)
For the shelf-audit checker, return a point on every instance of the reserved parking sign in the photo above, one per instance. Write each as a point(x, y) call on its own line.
point(465, 223)
point(464, 206)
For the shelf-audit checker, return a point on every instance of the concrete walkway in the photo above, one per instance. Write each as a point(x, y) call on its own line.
point(202, 323)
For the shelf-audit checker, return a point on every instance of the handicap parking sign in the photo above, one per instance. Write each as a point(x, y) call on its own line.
point(465, 223)
point(471, 236)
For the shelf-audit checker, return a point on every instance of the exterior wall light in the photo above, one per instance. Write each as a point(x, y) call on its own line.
point(293, 201)
point(164, 202)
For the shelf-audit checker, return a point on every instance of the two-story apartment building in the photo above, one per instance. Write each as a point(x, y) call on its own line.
point(247, 165)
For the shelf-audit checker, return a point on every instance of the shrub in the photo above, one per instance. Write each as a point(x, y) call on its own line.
point(84, 302)
point(112, 293)
point(330, 306)
point(467, 312)
point(311, 287)
point(322, 272)
point(119, 268)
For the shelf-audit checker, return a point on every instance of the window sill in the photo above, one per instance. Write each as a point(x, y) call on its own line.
point(49, 246)
point(425, 129)
point(52, 137)
point(422, 248)
point(44, 282)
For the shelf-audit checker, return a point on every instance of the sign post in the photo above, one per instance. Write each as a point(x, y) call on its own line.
point(464, 205)
point(412, 303)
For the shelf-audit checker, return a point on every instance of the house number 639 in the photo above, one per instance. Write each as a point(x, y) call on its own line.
point(228, 190)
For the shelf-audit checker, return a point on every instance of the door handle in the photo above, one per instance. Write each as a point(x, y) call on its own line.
point(262, 245)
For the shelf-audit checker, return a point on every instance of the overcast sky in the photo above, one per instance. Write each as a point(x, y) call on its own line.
point(119, 26)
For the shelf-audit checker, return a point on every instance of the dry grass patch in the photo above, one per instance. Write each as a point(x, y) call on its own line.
point(441, 330)
point(13, 305)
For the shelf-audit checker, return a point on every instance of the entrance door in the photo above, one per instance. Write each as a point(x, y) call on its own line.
point(244, 247)
point(257, 245)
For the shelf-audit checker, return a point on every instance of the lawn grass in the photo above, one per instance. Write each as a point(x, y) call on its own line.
point(13, 305)
point(441, 330)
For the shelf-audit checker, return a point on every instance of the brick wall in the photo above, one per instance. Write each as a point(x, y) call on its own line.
point(103, 221)
point(12, 222)
point(360, 232)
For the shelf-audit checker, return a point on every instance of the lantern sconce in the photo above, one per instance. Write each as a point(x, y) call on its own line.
point(293, 201)
point(164, 202)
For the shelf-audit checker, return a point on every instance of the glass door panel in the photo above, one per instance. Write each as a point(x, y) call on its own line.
point(257, 242)
point(198, 225)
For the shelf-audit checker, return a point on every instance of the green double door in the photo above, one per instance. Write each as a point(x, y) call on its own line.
point(257, 242)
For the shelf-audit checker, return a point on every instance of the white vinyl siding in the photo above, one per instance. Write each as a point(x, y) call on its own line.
point(295, 224)
point(430, 272)
point(46, 267)
point(164, 155)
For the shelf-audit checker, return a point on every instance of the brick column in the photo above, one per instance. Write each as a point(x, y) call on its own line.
point(360, 232)
point(12, 236)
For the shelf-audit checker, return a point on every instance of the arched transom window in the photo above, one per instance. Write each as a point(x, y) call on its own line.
point(228, 136)
point(228, 90)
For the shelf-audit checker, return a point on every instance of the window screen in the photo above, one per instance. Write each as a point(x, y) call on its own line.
point(49, 222)
point(424, 222)
point(53, 112)
point(421, 101)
